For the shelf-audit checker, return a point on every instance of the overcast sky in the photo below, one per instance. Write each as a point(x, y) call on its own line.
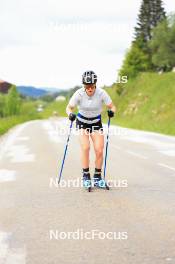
point(50, 43)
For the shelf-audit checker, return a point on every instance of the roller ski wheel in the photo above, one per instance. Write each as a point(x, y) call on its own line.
point(101, 184)
point(107, 187)
point(87, 183)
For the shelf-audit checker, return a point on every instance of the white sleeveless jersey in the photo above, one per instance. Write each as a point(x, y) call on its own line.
point(90, 106)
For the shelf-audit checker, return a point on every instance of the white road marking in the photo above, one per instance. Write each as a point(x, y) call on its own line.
point(9, 139)
point(7, 175)
point(53, 131)
point(3, 244)
point(156, 140)
point(10, 255)
point(136, 154)
point(166, 166)
point(169, 152)
point(20, 153)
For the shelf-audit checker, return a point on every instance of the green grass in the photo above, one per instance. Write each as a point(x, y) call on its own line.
point(57, 107)
point(28, 112)
point(9, 122)
point(147, 103)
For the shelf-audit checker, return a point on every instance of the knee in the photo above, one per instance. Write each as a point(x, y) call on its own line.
point(85, 148)
point(99, 152)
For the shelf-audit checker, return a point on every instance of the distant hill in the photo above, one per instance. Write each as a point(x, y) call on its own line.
point(31, 91)
point(4, 86)
point(36, 92)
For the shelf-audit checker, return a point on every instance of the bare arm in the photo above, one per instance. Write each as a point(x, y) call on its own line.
point(69, 109)
point(111, 107)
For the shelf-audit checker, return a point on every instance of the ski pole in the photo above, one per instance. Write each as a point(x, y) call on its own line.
point(65, 151)
point(106, 151)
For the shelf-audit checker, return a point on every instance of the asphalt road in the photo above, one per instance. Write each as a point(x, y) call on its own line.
point(41, 223)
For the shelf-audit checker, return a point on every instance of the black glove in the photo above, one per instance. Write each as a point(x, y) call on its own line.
point(110, 113)
point(72, 117)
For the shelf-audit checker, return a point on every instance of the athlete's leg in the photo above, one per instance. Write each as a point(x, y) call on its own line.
point(98, 143)
point(85, 147)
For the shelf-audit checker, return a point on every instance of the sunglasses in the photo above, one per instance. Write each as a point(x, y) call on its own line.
point(90, 87)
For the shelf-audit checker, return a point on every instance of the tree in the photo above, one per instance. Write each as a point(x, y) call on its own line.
point(2, 105)
point(162, 44)
point(158, 13)
point(139, 57)
point(151, 13)
point(13, 102)
point(135, 60)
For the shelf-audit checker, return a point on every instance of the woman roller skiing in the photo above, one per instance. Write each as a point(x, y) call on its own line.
point(89, 101)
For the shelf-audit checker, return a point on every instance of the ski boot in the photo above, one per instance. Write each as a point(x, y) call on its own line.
point(87, 181)
point(98, 181)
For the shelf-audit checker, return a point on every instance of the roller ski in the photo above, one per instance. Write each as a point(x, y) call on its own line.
point(87, 181)
point(98, 181)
